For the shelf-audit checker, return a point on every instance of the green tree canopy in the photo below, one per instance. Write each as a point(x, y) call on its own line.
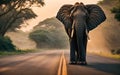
point(15, 12)
point(116, 10)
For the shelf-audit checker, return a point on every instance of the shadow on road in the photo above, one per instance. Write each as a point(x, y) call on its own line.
point(97, 65)
point(104, 67)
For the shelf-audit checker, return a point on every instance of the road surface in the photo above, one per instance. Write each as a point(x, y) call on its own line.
point(47, 63)
point(41, 63)
point(97, 65)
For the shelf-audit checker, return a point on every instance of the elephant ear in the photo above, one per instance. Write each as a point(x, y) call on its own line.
point(63, 15)
point(96, 16)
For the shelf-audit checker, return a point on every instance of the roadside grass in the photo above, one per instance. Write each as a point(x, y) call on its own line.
point(115, 56)
point(106, 54)
point(17, 52)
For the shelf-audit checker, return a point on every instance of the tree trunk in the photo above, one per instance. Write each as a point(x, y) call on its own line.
point(8, 24)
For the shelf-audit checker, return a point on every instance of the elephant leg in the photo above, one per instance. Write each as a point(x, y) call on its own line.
point(85, 46)
point(80, 33)
point(77, 53)
point(76, 47)
point(73, 48)
point(82, 49)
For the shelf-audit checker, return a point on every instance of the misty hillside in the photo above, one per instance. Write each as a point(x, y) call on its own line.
point(106, 37)
point(21, 40)
point(49, 34)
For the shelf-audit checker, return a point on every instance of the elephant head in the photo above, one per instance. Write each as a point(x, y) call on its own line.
point(94, 17)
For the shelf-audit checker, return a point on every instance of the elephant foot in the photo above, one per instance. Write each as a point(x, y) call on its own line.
point(82, 63)
point(73, 62)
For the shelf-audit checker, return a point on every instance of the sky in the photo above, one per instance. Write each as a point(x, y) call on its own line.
point(49, 10)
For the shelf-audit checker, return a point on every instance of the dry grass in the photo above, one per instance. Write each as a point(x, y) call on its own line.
point(106, 54)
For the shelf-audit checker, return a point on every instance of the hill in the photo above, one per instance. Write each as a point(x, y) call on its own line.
point(21, 40)
point(106, 37)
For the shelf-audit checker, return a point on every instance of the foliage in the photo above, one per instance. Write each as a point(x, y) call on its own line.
point(49, 34)
point(5, 1)
point(48, 39)
point(6, 44)
point(15, 12)
point(117, 51)
point(4, 53)
point(116, 11)
point(115, 5)
point(105, 1)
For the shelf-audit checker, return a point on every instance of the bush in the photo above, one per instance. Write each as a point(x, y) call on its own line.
point(115, 10)
point(117, 51)
point(117, 16)
point(6, 44)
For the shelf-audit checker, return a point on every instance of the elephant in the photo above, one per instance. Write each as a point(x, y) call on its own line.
point(78, 20)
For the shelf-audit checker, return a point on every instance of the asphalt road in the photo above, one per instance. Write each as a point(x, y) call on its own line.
point(47, 63)
point(41, 63)
point(97, 65)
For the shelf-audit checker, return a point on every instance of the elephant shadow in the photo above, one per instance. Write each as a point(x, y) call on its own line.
point(113, 68)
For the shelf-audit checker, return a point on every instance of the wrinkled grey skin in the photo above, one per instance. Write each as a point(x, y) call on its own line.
point(85, 17)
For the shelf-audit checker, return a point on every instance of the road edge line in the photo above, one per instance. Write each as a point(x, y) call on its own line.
point(62, 69)
point(60, 66)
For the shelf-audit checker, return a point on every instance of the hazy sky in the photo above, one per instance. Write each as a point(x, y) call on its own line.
point(50, 9)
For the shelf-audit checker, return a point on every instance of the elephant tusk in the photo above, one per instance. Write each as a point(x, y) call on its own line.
point(72, 32)
point(87, 33)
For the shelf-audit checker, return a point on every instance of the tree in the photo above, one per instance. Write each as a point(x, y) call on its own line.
point(116, 11)
point(6, 44)
point(14, 12)
point(48, 34)
point(115, 7)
